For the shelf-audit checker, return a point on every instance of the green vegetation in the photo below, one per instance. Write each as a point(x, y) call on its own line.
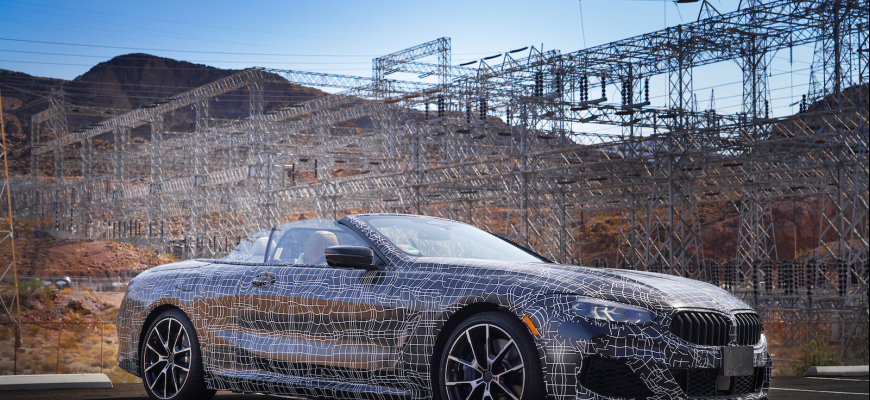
point(33, 288)
point(815, 353)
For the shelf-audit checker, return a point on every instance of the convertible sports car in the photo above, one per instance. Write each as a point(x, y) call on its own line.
point(387, 306)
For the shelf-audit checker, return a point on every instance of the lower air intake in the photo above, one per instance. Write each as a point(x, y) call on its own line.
point(612, 378)
point(703, 382)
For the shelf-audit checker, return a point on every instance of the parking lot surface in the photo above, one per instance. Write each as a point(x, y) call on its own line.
point(833, 388)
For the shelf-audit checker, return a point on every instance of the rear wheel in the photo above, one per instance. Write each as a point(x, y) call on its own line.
point(490, 356)
point(170, 359)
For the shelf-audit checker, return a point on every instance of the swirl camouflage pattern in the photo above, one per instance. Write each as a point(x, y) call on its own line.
point(390, 306)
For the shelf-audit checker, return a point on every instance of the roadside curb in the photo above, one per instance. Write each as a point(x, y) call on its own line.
point(852, 370)
point(54, 381)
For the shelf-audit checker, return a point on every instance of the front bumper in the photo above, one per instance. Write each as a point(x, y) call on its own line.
point(588, 360)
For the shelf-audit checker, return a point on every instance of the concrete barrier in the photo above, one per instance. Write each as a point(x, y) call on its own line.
point(54, 381)
point(852, 370)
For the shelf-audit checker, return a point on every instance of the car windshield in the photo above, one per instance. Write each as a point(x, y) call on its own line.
point(251, 249)
point(429, 237)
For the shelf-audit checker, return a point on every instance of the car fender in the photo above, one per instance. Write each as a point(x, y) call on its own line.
point(427, 334)
point(148, 293)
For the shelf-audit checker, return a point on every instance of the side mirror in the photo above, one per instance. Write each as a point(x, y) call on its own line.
point(350, 256)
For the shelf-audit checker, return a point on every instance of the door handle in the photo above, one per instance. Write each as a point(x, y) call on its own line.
point(263, 280)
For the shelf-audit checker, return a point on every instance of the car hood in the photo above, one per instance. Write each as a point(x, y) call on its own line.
point(645, 289)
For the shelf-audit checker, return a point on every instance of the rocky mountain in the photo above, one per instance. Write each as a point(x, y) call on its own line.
point(122, 84)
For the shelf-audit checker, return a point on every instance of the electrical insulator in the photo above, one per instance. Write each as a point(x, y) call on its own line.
point(586, 87)
point(483, 109)
point(624, 93)
point(646, 91)
point(468, 113)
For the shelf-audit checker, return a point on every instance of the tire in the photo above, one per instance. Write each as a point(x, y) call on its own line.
point(170, 359)
point(513, 368)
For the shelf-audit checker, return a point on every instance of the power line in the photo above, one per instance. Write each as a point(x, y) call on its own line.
point(167, 68)
point(249, 62)
point(185, 51)
point(136, 35)
point(582, 25)
point(188, 23)
point(268, 99)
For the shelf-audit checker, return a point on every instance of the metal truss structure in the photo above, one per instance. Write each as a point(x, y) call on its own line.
point(9, 300)
point(506, 144)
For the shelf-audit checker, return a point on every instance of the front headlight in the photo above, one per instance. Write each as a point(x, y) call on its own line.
point(610, 311)
point(601, 310)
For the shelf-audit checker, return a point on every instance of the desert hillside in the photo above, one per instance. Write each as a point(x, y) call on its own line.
point(796, 228)
point(48, 254)
point(122, 84)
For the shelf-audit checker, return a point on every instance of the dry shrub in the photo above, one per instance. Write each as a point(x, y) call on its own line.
point(68, 343)
point(47, 365)
point(32, 330)
point(79, 351)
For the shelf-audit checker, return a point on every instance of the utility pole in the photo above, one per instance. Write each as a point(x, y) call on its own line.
point(7, 232)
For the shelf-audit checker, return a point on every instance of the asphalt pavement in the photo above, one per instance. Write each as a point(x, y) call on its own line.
point(828, 388)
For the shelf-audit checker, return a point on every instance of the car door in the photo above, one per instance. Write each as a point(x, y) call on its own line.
point(301, 318)
point(346, 320)
point(215, 306)
point(215, 315)
point(264, 306)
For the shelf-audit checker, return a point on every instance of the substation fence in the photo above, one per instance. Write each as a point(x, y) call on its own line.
point(137, 233)
point(785, 277)
point(524, 144)
point(75, 283)
point(52, 347)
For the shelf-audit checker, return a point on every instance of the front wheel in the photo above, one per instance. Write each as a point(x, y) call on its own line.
point(170, 360)
point(490, 356)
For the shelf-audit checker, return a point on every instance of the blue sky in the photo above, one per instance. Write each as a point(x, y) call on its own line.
point(326, 36)
point(63, 39)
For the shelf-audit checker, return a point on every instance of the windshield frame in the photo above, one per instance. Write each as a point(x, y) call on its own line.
point(545, 260)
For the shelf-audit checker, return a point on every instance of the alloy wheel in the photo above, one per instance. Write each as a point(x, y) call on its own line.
point(166, 358)
point(484, 363)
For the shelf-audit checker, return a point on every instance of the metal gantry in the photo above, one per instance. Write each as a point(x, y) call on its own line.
point(520, 143)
